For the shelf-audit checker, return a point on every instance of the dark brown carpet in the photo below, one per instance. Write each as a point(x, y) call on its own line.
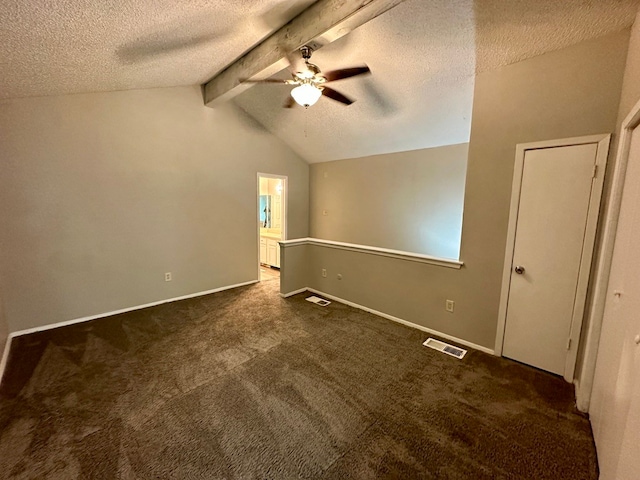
point(244, 384)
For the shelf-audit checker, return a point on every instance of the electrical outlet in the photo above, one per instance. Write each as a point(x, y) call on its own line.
point(324, 272)
point(167, 277)
point(448, 306)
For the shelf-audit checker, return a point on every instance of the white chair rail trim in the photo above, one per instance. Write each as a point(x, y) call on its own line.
point(383, 252)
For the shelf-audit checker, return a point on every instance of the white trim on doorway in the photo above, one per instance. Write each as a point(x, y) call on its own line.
point(602, 142)
point(602, 270)
point(285, 207)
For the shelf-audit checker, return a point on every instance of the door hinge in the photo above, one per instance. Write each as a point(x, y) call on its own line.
point(595, 171)
point(568, 344)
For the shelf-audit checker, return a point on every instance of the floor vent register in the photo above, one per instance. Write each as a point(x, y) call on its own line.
point(445, 348)
point(318, 301)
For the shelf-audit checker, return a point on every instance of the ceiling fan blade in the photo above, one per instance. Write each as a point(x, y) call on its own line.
point(267, 80)
point(289, 102)
point(337, 96)
point(345, 73)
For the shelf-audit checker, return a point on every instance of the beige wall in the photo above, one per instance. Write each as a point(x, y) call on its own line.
point(571, 92)
point(294, 268)
point(409, 201)
point(100, 194)
point(614, 415)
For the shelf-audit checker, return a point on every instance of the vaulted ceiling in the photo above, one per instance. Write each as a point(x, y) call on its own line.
point(423, 56)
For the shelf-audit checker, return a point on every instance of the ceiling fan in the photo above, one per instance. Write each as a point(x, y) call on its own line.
point(311, 83)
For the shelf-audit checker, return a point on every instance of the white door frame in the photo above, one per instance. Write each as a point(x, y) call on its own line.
point(285, 206)
point(589, 241)
point(602, 270)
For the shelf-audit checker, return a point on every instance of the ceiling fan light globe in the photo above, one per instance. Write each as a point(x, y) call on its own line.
point(306, 95)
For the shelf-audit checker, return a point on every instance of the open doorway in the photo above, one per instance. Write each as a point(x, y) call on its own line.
point(272, 224)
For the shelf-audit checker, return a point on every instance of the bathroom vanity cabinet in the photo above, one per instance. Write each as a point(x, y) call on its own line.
point(269, 251)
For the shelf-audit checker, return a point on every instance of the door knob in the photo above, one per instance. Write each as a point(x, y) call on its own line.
point(519, 269)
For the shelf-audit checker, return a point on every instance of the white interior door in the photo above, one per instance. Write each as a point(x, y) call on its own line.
point(277, 211)
point(548, 254)
point(615, 405)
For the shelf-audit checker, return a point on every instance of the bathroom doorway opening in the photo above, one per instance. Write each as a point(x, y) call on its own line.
point(272, 224)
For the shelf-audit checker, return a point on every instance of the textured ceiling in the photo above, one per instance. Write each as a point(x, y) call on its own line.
point(423, 55)
point(70, 46)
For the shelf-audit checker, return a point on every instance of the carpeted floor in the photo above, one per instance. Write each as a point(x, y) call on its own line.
point(244, 384)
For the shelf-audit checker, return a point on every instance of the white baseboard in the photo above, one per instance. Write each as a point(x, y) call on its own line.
point(295, 292)
point(125, 310)
point(5, 354)
point(5, 357)
point(393, 319)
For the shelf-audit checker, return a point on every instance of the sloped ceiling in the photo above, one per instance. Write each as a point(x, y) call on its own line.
point(423, 55)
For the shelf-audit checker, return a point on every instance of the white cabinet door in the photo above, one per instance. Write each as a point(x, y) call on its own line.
point(263, 250)
point(272, 252)
point(277, 255)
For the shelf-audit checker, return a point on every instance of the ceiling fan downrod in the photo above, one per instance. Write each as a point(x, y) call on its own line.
point(306, 52)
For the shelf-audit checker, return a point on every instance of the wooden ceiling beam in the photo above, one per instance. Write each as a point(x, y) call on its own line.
point(322, 23)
